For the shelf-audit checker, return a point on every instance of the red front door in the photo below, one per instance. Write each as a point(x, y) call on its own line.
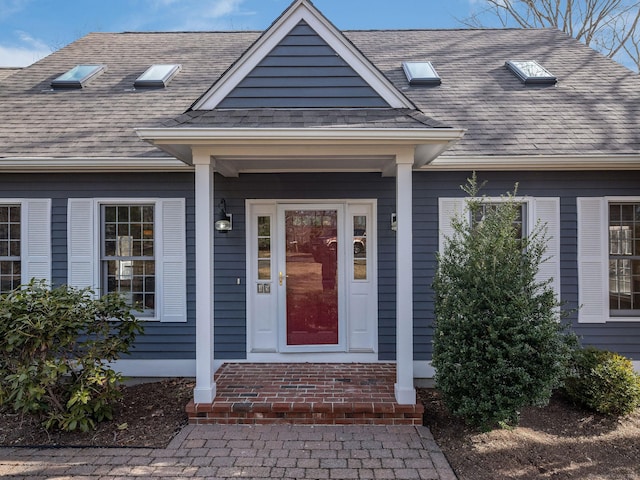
point(311, 269)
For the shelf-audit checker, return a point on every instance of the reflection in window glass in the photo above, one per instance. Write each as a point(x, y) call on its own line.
point(359, 247)
point(264, 248)
point(128, 257)
point(624, 258)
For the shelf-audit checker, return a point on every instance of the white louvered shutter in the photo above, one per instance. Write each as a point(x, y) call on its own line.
point(592, 260)
point(547, 211)
point(36, 240)
point(448, 208)
point(82, 244)
point(171, 261)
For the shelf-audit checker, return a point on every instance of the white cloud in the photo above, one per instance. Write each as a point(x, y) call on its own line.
point(20, 56)
point(224, 7)
point(184, 15)
point(23, 52)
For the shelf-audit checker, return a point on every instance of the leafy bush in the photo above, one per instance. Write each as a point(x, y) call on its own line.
point(498, 341)
point(56, 346)
point(604, 382)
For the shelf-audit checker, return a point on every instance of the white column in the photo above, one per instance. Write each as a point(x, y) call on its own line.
point(205, 390)
point(404, 390)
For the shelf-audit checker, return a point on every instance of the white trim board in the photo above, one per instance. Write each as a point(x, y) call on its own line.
point(155, 368)
point(88, 164)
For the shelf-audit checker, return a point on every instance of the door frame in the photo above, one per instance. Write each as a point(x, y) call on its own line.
point(264, 328)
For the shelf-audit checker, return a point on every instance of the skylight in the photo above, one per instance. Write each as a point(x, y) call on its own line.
point(530, 72)
point(78, 76)
point(157, 76)
point(421, 73)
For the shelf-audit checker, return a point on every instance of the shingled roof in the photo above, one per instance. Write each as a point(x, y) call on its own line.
point(593, 109)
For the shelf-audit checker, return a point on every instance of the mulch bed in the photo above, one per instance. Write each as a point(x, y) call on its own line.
point(559, 441)
point(148, 415)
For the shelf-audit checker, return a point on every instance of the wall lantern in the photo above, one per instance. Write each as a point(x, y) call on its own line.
point(394, 222)
point(224, 223)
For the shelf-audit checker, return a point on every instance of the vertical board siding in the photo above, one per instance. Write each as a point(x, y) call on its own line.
point(160, 341)
point(302, 71)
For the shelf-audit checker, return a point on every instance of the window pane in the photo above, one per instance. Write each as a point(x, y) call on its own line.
point(136, 213)
point(123, 246)
point(264, 226)
point(359, 247)
point(123, 214)
point(264, 248)
point(110, 214)
point(10, 277)
point(624, 258)
point(14, 248)
point(264, 270)
point(10, 272)
point(131, 280)
point(14, 214)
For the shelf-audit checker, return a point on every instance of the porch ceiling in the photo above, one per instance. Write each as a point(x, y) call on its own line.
point(248, 150)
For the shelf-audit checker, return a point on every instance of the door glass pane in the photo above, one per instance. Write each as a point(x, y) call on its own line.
point(264, 248)
point(360, 247)
point(312, 277)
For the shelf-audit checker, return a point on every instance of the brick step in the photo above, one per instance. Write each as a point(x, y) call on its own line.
point(317, 394)
point(320, 413)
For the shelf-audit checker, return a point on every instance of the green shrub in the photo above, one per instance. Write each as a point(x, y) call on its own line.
point(498, 341)
point(604, 382)
point(56, 346)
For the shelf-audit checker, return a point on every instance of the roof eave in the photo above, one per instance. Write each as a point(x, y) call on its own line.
point(575, 162)
point(428, 142)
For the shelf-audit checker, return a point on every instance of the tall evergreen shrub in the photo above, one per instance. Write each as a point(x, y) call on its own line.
point(499, 344)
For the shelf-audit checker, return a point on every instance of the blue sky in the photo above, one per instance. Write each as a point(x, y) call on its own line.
point(31, 29)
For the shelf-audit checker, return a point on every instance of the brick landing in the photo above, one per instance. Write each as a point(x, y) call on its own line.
point(306, 393)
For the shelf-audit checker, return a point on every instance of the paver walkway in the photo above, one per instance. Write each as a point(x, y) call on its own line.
point(247, 452)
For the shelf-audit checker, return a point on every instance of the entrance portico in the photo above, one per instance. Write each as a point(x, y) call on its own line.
point(234, 152)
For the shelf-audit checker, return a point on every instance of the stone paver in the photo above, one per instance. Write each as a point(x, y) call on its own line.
point(251, 451)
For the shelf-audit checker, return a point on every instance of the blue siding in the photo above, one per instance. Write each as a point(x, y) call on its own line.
point(230, 308)
point(168, 340)
point(620, 337)
point(302, 71)
point(177, 341)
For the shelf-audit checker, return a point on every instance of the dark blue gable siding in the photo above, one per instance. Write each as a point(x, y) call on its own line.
point(303, 71)
point(167, 341)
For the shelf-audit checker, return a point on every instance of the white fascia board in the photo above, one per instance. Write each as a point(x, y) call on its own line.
point(371, 135)
point(537, 162)
point(88, 164)
point(281, 28)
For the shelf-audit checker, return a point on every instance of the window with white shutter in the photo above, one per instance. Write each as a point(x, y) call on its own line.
point(608, 259)
point(545, 210)
point(25, 242)
point(135, 247)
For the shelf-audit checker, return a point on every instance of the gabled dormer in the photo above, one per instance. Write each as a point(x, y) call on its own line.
point(302, 61)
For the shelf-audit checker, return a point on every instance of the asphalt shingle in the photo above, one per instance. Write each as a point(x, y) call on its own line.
point(594, 108)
